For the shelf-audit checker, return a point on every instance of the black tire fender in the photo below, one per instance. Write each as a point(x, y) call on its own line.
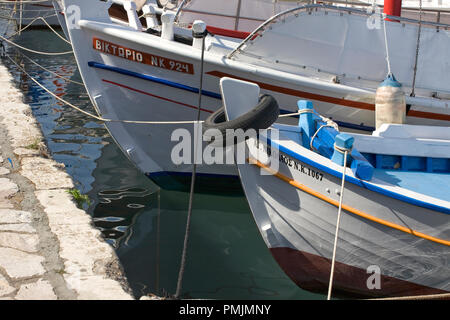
point(262, 116)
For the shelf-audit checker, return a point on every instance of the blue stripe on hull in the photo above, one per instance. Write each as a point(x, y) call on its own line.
point(154, 79)
point(206, 93)
point(359, 182)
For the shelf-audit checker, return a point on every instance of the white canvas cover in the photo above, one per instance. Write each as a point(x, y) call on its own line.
point(345, 46)
point(243, 15)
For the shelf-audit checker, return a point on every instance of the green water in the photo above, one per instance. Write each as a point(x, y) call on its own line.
point(227, 258)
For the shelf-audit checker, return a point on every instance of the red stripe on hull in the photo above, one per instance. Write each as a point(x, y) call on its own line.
point(312, 273)
point(228, 33)
point(328, 99)
point(155, 96)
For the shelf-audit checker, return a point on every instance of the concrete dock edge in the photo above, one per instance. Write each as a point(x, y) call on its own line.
point(49, 248)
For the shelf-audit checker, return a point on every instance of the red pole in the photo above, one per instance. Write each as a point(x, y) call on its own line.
point(393, 7)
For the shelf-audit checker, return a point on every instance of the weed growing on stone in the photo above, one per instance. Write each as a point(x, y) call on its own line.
point(79, 198)
point(34, 145)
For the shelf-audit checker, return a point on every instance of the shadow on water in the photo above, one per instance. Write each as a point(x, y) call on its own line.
point(227, 258)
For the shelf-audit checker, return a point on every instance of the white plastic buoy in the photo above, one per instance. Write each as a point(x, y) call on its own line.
point(390, 103)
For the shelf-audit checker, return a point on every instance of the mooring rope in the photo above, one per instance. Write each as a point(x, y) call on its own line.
point(35, 51)
point(50, 71)
point(86, 112)
point(192, 189)
point(311, 147)
point(54, 31)
point(48, 25)
point(296, 113)
point(336, 234)
point(90, 114)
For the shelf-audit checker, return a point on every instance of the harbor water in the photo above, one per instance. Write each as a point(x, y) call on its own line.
point(227, 258)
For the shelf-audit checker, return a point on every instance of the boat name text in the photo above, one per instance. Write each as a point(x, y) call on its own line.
point(142, 57)
point(300, 167)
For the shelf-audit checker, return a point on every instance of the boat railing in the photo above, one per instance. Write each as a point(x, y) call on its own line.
point(428, 14)
point(363, 4)
point(436, 13)
point(180, 7)
point(316, 7)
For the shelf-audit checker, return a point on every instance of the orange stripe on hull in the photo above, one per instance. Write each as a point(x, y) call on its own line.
point(347, 208)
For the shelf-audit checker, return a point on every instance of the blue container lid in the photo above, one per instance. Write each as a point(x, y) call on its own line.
point(390, 81)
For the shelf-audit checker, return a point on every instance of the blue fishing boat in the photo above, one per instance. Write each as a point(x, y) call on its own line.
point(392, 189)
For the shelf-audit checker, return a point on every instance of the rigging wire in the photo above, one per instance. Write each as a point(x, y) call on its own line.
point(413, 90)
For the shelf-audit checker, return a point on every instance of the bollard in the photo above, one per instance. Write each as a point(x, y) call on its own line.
point(306, 122)
point(167, 19)
point(343, 142)
point(198, 33)
point(133, 19)
point(150, 16)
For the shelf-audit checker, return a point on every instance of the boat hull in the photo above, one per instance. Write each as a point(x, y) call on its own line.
point(311, 272)
point(164, 87)
point(372, 259)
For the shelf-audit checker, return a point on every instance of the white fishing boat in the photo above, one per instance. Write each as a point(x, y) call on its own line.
point(394, 231)
point(32, 13)
point(319, 52)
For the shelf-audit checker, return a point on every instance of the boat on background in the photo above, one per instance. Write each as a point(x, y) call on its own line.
point(395, 206)
point(36, 13)
point(153, 74)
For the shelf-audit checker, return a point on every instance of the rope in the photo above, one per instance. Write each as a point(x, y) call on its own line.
point(52, 72)
point(191, 194)
point(336, 235)
point(388, 60)
point(440, 296)
point(341, 150)
point(413, 93)
point(328, 123)
point(34, 51)
point(90, 114)
point(48, 25)
point(311, 147)
point(54, 31)
point(296, 113)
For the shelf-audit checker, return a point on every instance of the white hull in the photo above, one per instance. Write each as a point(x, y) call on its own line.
point(302, 228)
point(128, 90)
